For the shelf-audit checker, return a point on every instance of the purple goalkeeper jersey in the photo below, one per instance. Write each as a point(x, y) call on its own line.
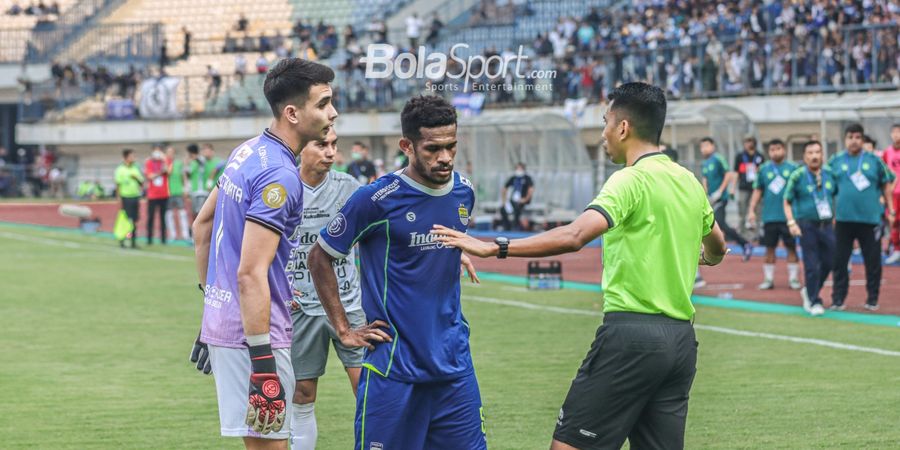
point(260, 184)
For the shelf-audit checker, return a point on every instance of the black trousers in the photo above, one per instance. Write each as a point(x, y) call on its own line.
point(817, 242)
point(864, 233)
point(730, 233)
point(131, 206)
point(634, 384)
point(160, 205)
point(517, 216)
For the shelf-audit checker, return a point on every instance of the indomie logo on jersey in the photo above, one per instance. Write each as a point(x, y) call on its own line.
point(425, 241)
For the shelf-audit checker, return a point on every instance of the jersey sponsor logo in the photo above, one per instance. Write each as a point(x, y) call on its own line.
point(385, 191)
point(274, 195)
point(230, 189)
point(376, 446)
point(216, 297)
point(337, 226)
point(410, 216)
point(463, 214)
point(587, 433)
point(306, 238)
point(240, 156)
point(263, 157)
point(424, 241)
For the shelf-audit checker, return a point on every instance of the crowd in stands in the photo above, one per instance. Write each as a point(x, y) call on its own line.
point(698, 47)
point(693, 48)
point(41, 10)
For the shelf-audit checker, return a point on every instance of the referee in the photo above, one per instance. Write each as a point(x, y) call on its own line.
point(635, 381)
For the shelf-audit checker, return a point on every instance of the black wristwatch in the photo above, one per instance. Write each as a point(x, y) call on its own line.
point(503, 243)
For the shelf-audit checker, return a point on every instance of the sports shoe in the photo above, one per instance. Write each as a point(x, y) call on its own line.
point(837, 307)
point(893, 258)
point(796, 284)
point(817, 310)
point(806, 302)
point(766, 285)
point(748, 251)
point(871, 307)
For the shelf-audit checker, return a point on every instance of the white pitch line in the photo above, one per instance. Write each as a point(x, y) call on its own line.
point(731, 331)
point(76, 245)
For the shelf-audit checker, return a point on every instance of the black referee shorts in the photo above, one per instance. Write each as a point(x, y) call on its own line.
point(634, 384)
point(773, 231)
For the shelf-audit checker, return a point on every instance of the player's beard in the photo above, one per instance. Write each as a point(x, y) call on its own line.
point(429, 173)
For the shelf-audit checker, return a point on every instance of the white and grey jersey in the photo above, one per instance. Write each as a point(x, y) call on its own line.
point(320, 204)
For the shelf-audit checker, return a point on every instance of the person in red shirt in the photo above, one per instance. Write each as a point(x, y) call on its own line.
point(156, 173)
point(891, 158)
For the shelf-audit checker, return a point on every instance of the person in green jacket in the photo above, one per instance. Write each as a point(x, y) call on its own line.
point(129, 182)
point(194, 168)
point(176, 196)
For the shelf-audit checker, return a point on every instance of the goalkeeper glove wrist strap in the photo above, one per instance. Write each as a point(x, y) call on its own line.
point(261, 359)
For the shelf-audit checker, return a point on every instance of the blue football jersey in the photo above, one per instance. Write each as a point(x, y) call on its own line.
point(409, 280)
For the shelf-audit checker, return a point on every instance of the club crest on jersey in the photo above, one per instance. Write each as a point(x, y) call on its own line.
point(463, 214)
point(274, 195)
point(337, 226)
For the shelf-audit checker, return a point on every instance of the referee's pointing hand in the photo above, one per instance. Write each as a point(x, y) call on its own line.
point(464, 242)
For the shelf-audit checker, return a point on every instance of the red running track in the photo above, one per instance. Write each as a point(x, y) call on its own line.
point(732, 277)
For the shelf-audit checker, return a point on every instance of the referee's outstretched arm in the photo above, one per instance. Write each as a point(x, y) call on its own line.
point(565, 239)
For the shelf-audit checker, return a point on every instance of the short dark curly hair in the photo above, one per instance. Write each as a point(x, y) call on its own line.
point(425, 111)
point(290, 81)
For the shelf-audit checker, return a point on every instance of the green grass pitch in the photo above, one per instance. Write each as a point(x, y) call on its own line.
point(94, 344)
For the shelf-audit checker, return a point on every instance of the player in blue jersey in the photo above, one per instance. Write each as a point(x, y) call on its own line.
point(242, 247)
point(418, 391)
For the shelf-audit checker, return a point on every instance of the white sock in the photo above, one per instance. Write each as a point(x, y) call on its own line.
point(303, 427)
point(170, 225)
point(793, 271)
point(182, 216)
point(769, 271)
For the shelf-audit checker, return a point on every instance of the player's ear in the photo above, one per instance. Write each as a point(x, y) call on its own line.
point(406, 145)
point(291, 113)
point(624, 129)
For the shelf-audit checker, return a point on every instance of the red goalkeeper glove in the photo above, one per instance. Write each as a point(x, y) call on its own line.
point(266, 404)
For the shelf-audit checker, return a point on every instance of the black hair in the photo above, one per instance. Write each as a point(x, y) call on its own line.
point(126, 152)
point(193, 149)
point(644, 106)
point(425, 111)
point(810, 143)
point(290, 81)
point(708, 139)
point(896, 125)
point(359, 144)
point(868, 140)
point(775, 141)
point(854, 128)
